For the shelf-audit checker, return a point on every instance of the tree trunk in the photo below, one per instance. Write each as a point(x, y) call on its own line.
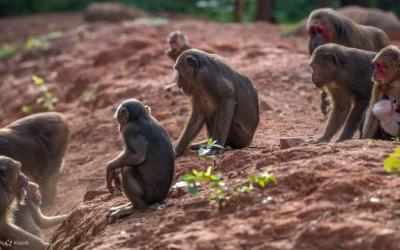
point(265, 10)
point(239, 7)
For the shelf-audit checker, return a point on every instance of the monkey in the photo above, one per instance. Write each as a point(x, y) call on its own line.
point(345, 74)
point(146, 164)
point(389, 118)
point(39, 142)
point(28, 214)
point(12, 184)
point(178, 43)
point(221, 98)
point(386, 77)
point(328, 26)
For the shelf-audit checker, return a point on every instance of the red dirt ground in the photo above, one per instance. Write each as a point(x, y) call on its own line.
point(329, 196)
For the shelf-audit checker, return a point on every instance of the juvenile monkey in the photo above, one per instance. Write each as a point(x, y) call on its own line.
point(221, 98)
point(147, 162)
point(345, 74)
point(386, 112)
point(28, 214)
point(386, 79)
point(12, 184)
point(328, 26)
point(178, 43)
point(39, 142)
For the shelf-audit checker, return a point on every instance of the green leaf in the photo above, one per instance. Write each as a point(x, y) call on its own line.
point(37, 80)
point(26, 109)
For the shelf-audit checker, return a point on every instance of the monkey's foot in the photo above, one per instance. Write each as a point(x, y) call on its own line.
point(119, 213)
point(112, 209)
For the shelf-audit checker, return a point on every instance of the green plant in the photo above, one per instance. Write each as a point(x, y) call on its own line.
point(47, 100)
point(392, 162)
point(396, 138)
point(7, 50)
point(220, 192)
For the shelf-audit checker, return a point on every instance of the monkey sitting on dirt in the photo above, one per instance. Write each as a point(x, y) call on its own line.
point(147, 162)
point(221, 98)
point(178, 43)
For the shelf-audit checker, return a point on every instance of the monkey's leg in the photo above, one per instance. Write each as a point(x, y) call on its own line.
point(353, 121)
point(336, 119)
point(132, 187)
point(324, 103)
point(238, 136)
point(120, 206)
point(223, 121)
point(48, 188)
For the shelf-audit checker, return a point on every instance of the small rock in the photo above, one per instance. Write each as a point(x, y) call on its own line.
point(290, 142)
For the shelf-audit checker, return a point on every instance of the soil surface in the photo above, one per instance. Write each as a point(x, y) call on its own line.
point(329, 196)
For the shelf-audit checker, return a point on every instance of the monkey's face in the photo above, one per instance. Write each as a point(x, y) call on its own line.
point(319, 34)
point(323, 72)
point(385, 71)
point(186, 66)
point(122, 118)
point(175, 43)
point(11, 176)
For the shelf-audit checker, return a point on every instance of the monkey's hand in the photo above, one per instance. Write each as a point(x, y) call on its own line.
point(113, 175)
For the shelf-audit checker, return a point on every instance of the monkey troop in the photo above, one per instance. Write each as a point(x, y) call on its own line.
point(353, 64)
point(327, 26)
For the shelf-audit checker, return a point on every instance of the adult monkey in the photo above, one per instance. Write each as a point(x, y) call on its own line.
point(221, 98)
point(387, 87)
point(39, 142)
point(328, 26)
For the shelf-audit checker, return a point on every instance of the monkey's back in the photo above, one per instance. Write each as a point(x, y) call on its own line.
point(157, 170)
point(37, 141)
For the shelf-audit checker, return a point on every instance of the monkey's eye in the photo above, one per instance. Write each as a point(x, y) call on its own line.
point(318, 30)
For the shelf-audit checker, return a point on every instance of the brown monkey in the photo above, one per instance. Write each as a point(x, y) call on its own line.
point(345, 74)
point(147, 162)
point(39, 142)
point(178, 43)
point(12, 184)
point(221, 98)
point(28, 214)
point(387, 87)
point(327, 26)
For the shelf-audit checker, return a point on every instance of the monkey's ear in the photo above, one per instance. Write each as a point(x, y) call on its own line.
point(124, 115)
point(192, 61)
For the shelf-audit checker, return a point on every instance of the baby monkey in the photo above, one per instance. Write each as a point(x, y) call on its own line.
point(385, 112)
point(178, 43)
point(146, 163)
point(28, 214)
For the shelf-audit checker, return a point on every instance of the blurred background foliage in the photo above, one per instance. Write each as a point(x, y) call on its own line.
point(280, 11)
